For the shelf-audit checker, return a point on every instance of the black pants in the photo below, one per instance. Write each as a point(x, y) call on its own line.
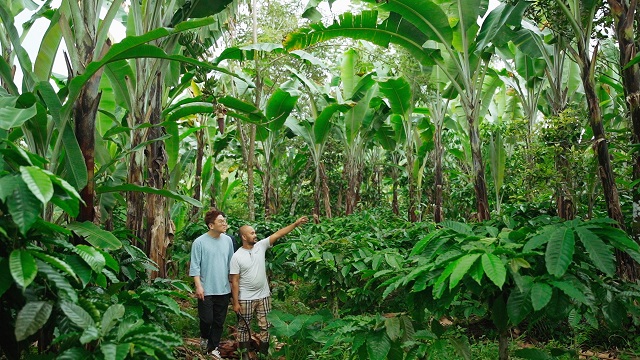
point(212, 312)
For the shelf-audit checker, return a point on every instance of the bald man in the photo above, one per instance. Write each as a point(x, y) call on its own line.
point(249, 286)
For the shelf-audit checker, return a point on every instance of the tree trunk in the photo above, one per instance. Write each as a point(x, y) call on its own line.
point(85, 110)
point(503, 345)
point(480, 185)
point(600, 144)
point(325, 192)
point(317, 192)
point(564, 204)
point(438, 214)
point(624, 13)
point(135, 176)
point(197, 187)
point(157, 211)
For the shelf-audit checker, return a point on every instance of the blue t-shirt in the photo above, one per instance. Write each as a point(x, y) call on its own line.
point(210, 259)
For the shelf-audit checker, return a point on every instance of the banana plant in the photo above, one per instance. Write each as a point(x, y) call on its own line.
point(315, 133)
point(353, 125)
point(464, 56)
point(270, 123)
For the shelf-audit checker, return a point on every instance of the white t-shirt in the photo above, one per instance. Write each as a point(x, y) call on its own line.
point(250, 264)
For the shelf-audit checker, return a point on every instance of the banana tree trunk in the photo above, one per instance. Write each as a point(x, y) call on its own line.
point(85, 111)
point(625, 13)
point(325, 191)
point(351, 172)
point(600, 144)
point(135, 200)
point(480, 185)
point(564, 204)
point(316, 193)
point(438, 214)
point(156, 207)
point(197, 187)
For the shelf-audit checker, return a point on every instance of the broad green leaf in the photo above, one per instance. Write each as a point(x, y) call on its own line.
point(32, 316)
point(112, 315)
point(617, 237)
point(540, 295)
point(38, 182)
point(462, 347)
point(494, 269)
point(115, 352)
point(560, 248)
point(74, 353)
point(518, 306)
point(89, 334)
point(12, 118)
point(378, 345)
point(77, 315)
point(462, 267)
point(392, 325)
point(322, 125)
point(65, 290)
point(570, 290)
point(615, 313)
point(23, 267)
point(24, 207)
point(395, 29)
point(95, 236)
point(74, 159)
point(460, 228)
point(80, 268)
point(55, 262)
point(149, 190)
point(280, 105)
point(398, 92)
point(598, 251)
point(7, 186)
point(439, 285)
point(91, 256)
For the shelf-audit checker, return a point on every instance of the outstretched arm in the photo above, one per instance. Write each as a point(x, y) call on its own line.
point(287, 229)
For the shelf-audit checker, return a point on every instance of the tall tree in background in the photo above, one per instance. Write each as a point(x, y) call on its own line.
point(625, 14)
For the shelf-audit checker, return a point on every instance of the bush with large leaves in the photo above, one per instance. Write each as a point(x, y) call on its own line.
point(77, 301)
point(547, 269)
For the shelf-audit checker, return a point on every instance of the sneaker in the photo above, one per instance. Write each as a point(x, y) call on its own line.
point(215, 354)
point(204, 343)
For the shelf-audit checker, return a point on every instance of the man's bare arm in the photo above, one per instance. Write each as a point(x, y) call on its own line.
point(287, 229)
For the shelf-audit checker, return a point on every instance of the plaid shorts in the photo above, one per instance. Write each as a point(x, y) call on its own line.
point(261, 308)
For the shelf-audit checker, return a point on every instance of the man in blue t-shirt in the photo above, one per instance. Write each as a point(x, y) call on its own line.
point(210, 256)
point(249, 286)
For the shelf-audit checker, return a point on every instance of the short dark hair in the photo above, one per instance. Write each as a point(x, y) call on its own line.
point(211, 216)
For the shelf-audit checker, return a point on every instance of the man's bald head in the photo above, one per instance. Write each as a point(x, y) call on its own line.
point(247, 235)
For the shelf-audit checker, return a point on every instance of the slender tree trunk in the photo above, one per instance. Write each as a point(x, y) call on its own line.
point(135, 176)
point(350, 174)
point(600, 144)
point(157, 210)
point(395, 207)
point(564, 204)
point(438, 214)
point(197, 187)
point(503, 345)
point(317, 192)
point(85, 111)
point(480, 185)
point(325, 191)
point(625, 15)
